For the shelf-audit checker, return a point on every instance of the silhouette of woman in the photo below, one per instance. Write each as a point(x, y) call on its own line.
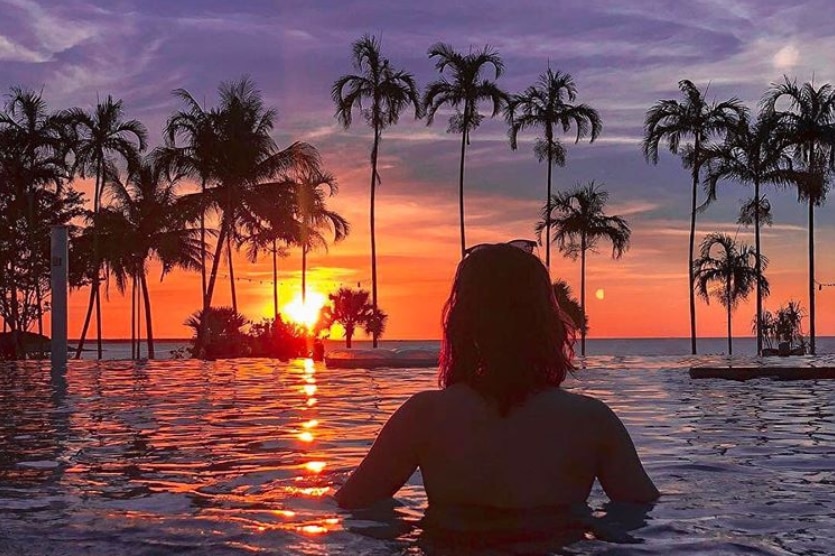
point(501, 433)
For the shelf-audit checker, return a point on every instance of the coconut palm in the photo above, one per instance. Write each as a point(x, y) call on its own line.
point(808, 125)
point(350, 308)
point(754, 153)
point(727, 271)
point(314, 219)
point(100, 135)
point(547, 105)
point(465, 89)
point(579, 223)
point(375, 326)
point(387, 91)
point(696, 122)
point(241, 155)
point(144, 222)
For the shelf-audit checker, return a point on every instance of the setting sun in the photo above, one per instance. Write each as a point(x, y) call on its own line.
point(305, 312)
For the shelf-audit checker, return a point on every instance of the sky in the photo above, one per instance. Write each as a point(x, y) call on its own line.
point(624, 56)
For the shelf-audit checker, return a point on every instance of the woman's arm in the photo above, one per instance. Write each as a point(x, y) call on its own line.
point(619, 468)
point(390, 462)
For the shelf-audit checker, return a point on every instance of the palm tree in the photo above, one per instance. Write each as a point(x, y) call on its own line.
point(570, 306)
point(145, 222)
point(98, 136)
point(312, 188)
point(388, 91)
point(694, 118)
point(579, 223)
point(733, 270)
point(197, 156)
point(350, 308)
point(808, 124)
point(547, 105)
point(241, 156)
point(463, 92)
point(755, 154)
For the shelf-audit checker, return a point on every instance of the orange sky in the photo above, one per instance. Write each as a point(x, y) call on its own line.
point(645, 292)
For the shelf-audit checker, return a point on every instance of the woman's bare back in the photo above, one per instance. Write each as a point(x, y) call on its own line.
point(545, 452)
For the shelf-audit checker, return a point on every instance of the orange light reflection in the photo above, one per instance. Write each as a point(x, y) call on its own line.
point(315, 466)
point(306, 436)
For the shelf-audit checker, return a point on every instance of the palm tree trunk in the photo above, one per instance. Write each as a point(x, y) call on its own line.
point(203, 238)
point(691, 254)
point(374, 152)
point(133, 317)
point(728, 306)
point(39, 301)
point(461, 191)
point(96, 280)
point(231, 273)
point(811, 276)
point(98, 324)
point(304, 274)
point(349, 333)
point(275, 282)
point(94, 287)
point(759, 268)
point(548, 216)
point(149, 332)
point(86, 325)
point(583, 293)
point(221, 239)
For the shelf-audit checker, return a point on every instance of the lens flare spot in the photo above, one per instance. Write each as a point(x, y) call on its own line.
point(600, 293)
point(306, 436)
point(315, 466)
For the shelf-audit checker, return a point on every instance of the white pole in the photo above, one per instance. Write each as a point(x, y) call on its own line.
point(59, 279)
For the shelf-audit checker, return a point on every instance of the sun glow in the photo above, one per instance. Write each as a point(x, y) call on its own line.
point(305, 312)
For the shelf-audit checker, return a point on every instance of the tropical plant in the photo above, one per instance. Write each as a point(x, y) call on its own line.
point(727, 270)
point(692, 119)
point(33, 196)
point(312, 188)
point(98, 136)
point(375, 326)
point(754, 153)
point(808, 126)
point(144, 222)
point(387, 91)
point(465, 89)
point(218, 333)
point(570, 306)
point(240, 155)
point(351, 309)
point(579, 223)
point(547, 105)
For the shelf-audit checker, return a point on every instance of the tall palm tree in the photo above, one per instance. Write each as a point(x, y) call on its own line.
point(197, 155)
point(808, 123)
point(99, 136)
point(387, 92)
point(465, 89)
point(691, 119)
point(547, 105)
point(145, 222)
point(314, 218)
point(242, 155)
point(734, 270)
point(753, 153)
point(579, 223)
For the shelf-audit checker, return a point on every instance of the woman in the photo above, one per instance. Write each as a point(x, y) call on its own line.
point(500, 433)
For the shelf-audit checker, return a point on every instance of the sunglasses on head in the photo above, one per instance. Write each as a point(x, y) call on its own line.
point(525, 245)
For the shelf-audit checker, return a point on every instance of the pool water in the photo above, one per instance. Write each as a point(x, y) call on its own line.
point(241, 457)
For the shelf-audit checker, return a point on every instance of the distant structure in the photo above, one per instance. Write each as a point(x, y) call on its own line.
point(58, 279)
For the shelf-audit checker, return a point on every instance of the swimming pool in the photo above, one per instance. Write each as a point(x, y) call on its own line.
point(240, 457)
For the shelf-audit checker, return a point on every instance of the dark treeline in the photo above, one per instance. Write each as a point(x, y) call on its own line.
point(263, 198)
point(257, 196)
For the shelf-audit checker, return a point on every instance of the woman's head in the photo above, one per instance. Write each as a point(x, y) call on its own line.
point(504, 334)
